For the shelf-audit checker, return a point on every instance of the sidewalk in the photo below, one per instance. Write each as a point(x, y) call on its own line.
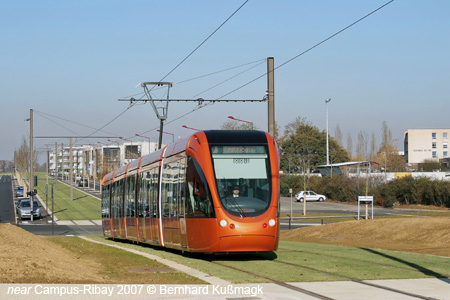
point(432, 288)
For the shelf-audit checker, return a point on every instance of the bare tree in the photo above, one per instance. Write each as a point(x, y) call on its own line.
point(349, 145)
point(361, 146)
point(373, 147)
point(388, 152)
point(236, 125)
point(22, 157)
point(338, 135)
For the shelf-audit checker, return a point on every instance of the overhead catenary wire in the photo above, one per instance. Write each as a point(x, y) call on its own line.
point(204, 41)
point(69, 121)
point(285, 63)
point(205, 75)
point(311, 48)
point(253, 80)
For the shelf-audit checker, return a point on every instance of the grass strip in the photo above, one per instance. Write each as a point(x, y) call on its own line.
point(119, 266)
point(82, 207)
point(309, 260)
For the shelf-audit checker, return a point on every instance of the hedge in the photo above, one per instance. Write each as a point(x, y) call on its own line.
point(406, 190)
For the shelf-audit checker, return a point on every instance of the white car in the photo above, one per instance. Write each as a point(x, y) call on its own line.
point(310, 196)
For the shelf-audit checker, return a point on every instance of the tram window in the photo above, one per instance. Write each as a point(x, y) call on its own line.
point(115, 205)
point(129, 196)
point(153, 192)
point(246, 168)
point(105, 201)
point(181, 181)
point(142, 209)
point(119, 198)
point(199, 201)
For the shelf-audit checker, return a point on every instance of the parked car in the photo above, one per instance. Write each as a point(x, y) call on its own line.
point(20, 199)
point(19, 191)
point(310, 196)
point(83, 182)
point(24, 209)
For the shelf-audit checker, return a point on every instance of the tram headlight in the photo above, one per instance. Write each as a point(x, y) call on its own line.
point(223, 223)
point(272, 222)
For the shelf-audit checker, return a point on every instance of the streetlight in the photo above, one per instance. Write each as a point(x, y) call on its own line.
point(173, 135)
point(233, 118)
point(326, 111)
point(184, 126)
point(149, 143)
point(114, 142)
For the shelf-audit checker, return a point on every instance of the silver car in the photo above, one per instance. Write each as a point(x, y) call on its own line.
point(23, 209)
point(310, 196)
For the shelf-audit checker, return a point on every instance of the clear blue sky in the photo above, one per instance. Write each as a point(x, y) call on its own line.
point(74, 59)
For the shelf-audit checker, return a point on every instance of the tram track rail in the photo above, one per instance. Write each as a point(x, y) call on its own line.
point(73, 208)
point(313, 294)
point(353, 259)
point(357, 281)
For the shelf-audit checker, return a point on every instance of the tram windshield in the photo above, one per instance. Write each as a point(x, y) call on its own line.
point(242, 178)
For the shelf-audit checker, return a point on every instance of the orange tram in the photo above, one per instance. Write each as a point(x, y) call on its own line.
point(216, 191)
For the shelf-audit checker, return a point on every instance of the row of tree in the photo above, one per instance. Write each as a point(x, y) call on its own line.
point(303, 147)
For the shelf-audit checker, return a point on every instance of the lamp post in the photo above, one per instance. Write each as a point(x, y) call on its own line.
point(31, 165)
point(149, 143)
point(114, 142)
point(233, 118)
point(173, 135)
point(326, 111)
point(184, 126)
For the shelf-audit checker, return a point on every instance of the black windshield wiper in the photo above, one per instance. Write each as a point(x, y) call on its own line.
point(240, 210)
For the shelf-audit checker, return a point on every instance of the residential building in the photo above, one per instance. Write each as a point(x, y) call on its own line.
point(94, 161)
point(425, 144)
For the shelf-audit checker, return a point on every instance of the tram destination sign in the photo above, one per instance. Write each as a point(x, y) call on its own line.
point(239, 149)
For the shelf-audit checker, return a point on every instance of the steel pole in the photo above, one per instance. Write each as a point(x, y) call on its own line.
point(31, 165)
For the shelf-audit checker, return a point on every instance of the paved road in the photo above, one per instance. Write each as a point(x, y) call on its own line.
point(6, 204)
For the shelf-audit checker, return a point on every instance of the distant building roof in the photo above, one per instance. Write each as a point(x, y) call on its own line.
point(343, 168)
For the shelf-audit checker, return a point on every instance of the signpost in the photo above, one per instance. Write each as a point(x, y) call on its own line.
point(366, 200)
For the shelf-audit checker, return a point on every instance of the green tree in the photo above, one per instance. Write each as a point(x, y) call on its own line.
point(388, 155)
point(303, 147)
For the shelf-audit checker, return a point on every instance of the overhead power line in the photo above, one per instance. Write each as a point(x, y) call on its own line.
point(217, 29)
point(311, 48)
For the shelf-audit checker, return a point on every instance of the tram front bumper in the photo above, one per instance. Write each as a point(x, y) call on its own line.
point(248, 243)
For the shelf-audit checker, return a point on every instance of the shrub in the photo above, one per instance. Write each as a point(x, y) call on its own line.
point(405, 190)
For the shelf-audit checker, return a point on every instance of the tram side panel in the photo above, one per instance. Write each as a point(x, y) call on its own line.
point(130, 209)
point(106, 220)
point(201, 222)
point(147, 205)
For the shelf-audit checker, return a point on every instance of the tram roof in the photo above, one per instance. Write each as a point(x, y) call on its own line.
point(236, 136)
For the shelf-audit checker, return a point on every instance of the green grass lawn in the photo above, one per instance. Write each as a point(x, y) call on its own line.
point(118, 266)
point(308, 262)
point(82, 207)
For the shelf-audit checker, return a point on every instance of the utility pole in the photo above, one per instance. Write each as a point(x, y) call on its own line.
point(94, 166)
point(31, 165)
point(326, 108)
point(62, 161)
point(161, 108)
point(56, 164)
point(71, 169)
point(271, 95)
point(46, 185)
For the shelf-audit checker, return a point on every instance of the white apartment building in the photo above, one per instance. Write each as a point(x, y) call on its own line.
point(95, 161)
point(422, 144)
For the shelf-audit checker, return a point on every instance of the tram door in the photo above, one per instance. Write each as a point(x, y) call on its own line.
point(153, 205)
point(182, 203)
point(174, 226)
point(147, 212)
